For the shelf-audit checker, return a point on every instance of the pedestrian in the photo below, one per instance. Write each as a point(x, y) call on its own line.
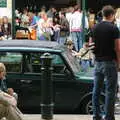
point(70, 45)
point(75, 23)
point(86, 57)
point(8, 103)
point(44, 27)
point(107, 58)
point(64, 28)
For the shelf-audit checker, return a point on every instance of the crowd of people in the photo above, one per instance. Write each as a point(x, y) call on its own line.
point(53, 24)
point(57, 25)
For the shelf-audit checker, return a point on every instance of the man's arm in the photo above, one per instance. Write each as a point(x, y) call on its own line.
point(117, 49)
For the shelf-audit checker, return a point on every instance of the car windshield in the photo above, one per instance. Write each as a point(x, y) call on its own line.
point(72, 61)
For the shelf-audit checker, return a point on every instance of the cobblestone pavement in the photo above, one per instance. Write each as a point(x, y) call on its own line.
point(64, 117)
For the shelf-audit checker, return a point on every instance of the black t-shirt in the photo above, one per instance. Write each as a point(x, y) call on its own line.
point(1, 34)
point(104, 35)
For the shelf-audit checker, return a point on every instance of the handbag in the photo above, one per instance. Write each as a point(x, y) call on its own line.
point(33, 34)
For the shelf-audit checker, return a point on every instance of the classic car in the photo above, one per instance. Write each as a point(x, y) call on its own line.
point(72, 88)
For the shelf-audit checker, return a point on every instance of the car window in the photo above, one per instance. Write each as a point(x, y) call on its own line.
point(36, 63)
point(12, 61)
point(30, 62)
point(56, 59)
point(58, 64)
point(73, 61)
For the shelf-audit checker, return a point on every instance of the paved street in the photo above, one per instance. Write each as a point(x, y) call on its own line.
point(64, 117)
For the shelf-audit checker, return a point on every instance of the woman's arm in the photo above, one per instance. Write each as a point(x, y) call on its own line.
point(117, 49)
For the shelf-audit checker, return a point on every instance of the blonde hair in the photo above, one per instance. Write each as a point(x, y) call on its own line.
point(42, 14)
point(117, 15)
point(2, 68)
point(69, 42)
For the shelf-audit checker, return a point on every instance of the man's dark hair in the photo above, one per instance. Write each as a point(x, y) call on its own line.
point(108, 10)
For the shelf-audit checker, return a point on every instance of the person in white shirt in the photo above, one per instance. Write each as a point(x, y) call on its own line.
point(69, 13)
point(76, 27)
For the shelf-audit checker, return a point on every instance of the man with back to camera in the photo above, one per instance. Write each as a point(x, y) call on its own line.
point(105, 35)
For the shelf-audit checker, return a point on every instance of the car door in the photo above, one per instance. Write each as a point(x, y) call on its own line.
point(24, 75)
point(22, 79)
point(30, 83)
point(66, 88)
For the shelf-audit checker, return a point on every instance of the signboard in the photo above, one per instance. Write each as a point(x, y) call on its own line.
point(3, 3)
point(6, 8)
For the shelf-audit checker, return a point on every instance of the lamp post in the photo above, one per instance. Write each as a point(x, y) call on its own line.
point(46, 87)
point(83, 19)
point(13, 19)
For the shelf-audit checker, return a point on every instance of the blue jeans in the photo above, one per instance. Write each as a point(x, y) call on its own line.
point(77, 40)
point(62, 40)
point(57, 35)
point(105, 72)
point(85, 64)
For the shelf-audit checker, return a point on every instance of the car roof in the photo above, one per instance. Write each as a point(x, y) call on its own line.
point(29, 45)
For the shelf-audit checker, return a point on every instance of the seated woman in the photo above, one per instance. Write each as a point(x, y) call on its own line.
point(8, 103)
point(6, 27)
point(3, 85)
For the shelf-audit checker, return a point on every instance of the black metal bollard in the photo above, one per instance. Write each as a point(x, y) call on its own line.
point(46, 87)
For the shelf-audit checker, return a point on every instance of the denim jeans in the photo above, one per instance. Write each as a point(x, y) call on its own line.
point(105, 72)
point(77, 40)
point(85, 64)
point(62, 40)
point(57, 35)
